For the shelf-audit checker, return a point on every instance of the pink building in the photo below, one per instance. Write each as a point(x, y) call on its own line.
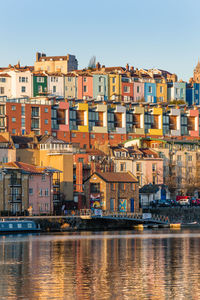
point(138, 91)
point(85, 86)
point(193, 122)
point(32, 188)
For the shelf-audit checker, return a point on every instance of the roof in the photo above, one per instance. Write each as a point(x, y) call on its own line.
point(3, 140)
point(48, 139)
point(23, 140)
point(116, 176)
point(151, 188)
point(4, 75)
point(29, 168)
point(95, 152)
point(66, 57)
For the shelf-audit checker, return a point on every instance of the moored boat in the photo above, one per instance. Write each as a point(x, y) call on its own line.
point(7, 226)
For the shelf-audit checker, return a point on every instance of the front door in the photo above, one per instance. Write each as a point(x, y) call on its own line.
point(132, 204)
point(112, 204)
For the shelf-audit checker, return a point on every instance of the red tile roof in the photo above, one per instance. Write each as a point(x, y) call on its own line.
point(25, 167)
point(117, 176)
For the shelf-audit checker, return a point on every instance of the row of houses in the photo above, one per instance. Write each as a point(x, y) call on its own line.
point(91, 123)
point(59, 76)
point(172, 162)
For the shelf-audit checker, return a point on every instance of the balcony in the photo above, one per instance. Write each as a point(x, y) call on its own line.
point(35, 115)
point(15, 182)
point(13, 198)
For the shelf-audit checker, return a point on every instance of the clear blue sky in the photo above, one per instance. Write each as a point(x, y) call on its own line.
point(143, 33)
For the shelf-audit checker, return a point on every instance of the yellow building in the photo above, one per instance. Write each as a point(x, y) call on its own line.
point(53, 64)
point(157, 125)
point(114, 86)
point(161, 91)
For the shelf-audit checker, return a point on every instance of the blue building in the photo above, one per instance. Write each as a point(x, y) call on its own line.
point(150, 92)
point(193, 94)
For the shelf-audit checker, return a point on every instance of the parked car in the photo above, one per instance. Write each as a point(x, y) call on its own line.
point(164, 203)
point(184, 202)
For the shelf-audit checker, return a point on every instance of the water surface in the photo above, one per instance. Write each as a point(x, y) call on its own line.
point(103, 265)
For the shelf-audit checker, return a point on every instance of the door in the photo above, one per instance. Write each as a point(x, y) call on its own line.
point(112, 204)
point(132, 204)
point(122, 205)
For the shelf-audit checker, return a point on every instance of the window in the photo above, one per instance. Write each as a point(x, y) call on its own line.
point(40, 79)
point(92, 136)
point(23, 110)
point(43, 177)
point(190, 169)
point(138, 89)
point(23, 89)
point(153, 167)
point(100, 89)
point(73, 134)
point(189, 157)
point(85, 88)
point(46, 109)
point(81, 160)
point(95, 187)
point(126, 89)
point(179, 157)
point(1, 90)
point(46, 192)
point(13, 107)
point(46, 121)
point(113, 80)
point(123, 167)
point(85, 79)
point(23, 122)
point(46, 132)
point(113, 89)
point(133, 186)
point(3, 79)
point(54, 89)
point(112, 186)
point(30, 191)
point(154, 179)
point(150, 89)
point(13, 119)
point(40, 192)
point(138, 167)
point(122, 186)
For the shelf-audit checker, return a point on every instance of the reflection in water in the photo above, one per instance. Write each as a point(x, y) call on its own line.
point(106, 265)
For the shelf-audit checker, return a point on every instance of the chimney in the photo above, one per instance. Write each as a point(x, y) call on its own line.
point(38, 55)
point(98, 66)
point(127, 67)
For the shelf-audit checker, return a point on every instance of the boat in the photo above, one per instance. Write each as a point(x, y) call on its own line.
point(7, 226)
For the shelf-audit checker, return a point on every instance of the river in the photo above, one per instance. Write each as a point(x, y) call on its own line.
point(149, 264)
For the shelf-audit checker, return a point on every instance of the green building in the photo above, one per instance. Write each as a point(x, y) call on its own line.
point(39, 84)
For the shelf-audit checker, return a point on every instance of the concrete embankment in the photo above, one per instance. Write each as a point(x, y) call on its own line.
point(71, 224)
point(183, 215)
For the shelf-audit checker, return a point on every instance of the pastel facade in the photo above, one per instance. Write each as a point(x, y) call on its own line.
point(21, 83)
point(100, 87)
point(85, 87)
point(177, 91)
point(150, 92)
point(70, 86)
point(54, 64)
point(161, 91)
point(5, 85)
point(55, 85)
point(138, 91)
point(114, 86)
